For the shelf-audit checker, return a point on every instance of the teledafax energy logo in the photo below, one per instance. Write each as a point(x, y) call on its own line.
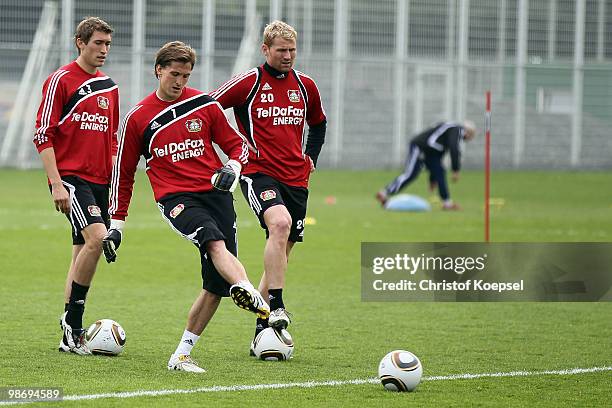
point(486, 272)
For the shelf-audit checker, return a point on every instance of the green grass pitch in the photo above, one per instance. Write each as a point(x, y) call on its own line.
point(337, 336)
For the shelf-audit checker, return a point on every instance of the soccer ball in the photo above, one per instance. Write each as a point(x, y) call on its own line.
point(400, 371)
point(105, 336)
point(273, 345)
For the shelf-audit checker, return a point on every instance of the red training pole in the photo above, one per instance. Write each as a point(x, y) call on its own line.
point(487, 162)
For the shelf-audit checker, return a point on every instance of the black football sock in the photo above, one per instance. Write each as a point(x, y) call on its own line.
point(65, 307)
point(76, 306)
point(276, 298)
point(261, 325)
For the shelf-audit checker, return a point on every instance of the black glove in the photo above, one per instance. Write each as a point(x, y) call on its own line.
point(111, 243)
point(226, 178)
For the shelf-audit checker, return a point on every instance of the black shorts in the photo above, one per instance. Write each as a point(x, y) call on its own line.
point(262, 192)
point(88, 205)
point(203, 217)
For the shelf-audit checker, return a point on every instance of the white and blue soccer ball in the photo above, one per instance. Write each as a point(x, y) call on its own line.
point(400, 370)
point(273, 345)
point(106, 337)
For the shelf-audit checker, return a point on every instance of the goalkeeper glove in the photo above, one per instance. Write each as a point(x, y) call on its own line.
point(226, 178)
point(112, 240)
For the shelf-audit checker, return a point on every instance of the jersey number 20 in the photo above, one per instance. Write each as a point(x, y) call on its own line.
point(267, 97)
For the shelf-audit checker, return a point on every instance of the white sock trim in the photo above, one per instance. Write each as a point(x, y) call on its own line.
point(188, 341)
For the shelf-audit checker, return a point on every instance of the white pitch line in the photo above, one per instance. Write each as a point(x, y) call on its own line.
point(570, 371)
point(332, 383)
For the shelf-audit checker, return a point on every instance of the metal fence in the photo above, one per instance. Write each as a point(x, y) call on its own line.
point(385, 69)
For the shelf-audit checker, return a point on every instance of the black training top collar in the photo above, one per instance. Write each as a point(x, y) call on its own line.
point(274, 72)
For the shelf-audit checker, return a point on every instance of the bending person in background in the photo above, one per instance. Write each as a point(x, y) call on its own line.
point(428, 148)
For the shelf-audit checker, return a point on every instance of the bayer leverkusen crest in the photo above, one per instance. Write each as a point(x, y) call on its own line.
point(294, 95)
point(267, 195)
point(194, 125)
point(177, 210)
point(94, 210)
point(103, 102)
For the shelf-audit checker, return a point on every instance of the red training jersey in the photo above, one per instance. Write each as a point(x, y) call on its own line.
point(79, 116)
point(270, 109)
point(176, 139)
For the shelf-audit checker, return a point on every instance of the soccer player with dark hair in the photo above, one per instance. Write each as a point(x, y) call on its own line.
point(429, 147)
point(272, 103)
point(76, 136)
point(174, 129)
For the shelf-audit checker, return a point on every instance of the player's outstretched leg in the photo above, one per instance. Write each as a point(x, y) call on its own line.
point(242, 291)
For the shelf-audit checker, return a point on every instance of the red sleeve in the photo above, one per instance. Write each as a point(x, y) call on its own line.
point(235, 91)
point(49, 111)
point(115, 124)
point(315, 114)
point(229, 139)
point(128, 155)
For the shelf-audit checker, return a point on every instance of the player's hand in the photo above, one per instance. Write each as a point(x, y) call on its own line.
point(455, 176)
point(61, 197)
point(432, 186)
point(110, 244)
point(226, 178)
point(112, 240)
point(312, 166)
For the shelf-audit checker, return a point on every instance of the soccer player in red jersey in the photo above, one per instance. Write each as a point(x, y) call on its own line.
point(272, 104)
point(76, 136)
point(174, 128)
